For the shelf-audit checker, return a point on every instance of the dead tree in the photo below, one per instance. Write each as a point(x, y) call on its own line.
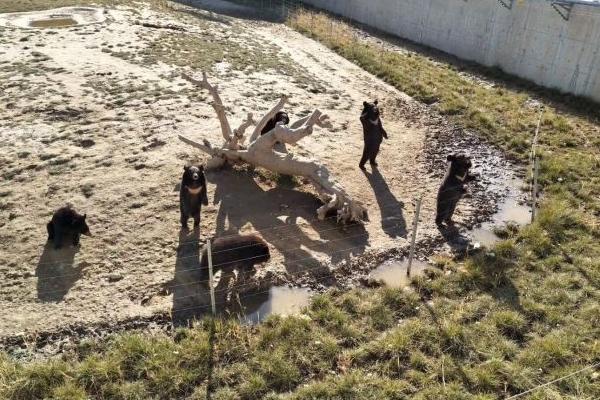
point(259, 152)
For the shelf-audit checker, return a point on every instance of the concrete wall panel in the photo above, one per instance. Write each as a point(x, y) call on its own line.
point(530, 41)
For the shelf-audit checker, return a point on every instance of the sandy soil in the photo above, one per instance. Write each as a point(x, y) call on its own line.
point(85, 121)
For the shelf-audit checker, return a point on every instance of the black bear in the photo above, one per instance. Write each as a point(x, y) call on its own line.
point(453, 187)
point(192, 194)
point(373, 133)
point(237, 251)
point(280, 118)
point(67, 222)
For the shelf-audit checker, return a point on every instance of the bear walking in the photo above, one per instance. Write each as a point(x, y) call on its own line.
point(373, 133)
point(66, 222)
point(453, 187)
point(192, 195)
point(238, 251)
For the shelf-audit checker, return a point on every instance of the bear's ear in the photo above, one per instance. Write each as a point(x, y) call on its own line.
point(186, 167)
point(365, 104)
point(201, 167)
point(84, 215)
point(451, 157)
point(376, 102)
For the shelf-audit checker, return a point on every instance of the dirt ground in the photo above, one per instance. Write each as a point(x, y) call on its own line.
point(90, 115)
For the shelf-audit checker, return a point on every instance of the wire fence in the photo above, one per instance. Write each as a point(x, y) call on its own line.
point(283, 9)
point(286, 8)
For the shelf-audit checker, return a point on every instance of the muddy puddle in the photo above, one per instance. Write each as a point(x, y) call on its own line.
point(279, 300)
point(394, 273)
point(510, 210)
point(53, 22)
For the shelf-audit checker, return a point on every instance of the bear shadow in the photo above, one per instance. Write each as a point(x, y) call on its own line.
point(191, 295)
point(278, 215)
point(392, 218)
point(56, 273)
point(455, 239)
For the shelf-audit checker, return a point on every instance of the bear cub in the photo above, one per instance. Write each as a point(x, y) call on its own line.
point(239, 251)
point(373, 133)
point(66, 222)
point(192, 194)
point(453, 187)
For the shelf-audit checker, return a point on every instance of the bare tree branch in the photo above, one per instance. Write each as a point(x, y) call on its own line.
point(238, 134)
point(217, 104)
point(260, 153)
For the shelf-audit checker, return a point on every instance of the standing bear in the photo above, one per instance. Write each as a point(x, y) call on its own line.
point(453, 187)
point(66, 222)
point(192, 195)
point(373, 133)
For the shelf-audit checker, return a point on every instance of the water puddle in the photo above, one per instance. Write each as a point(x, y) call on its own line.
point(53, 22)
point(393, 273)
point(509, 211)
point(280, 300)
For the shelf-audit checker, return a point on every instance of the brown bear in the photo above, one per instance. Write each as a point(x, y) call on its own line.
point(452, 188)
point(66, 222)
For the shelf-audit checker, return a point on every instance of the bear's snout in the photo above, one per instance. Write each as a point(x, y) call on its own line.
point(195, 176)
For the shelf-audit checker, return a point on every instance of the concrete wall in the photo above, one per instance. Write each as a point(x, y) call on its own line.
point(531, 40)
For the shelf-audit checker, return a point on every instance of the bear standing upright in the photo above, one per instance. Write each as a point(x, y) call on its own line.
point(373, 133)
point(453, 187)
point(192, 194)
point(67, 222)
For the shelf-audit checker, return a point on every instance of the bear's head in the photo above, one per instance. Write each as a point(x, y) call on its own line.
point(459, 165)
point(80, 225)
point(193, 178)
point(282, 117)
point(371, 110)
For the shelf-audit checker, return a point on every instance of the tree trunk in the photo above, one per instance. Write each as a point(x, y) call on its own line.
point(260, 153)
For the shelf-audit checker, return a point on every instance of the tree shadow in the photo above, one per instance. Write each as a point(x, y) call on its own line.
point(392, 218)
point(286, 219)
point(56, 273)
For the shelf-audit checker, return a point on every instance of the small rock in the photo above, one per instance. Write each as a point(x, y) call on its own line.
point(115, 277)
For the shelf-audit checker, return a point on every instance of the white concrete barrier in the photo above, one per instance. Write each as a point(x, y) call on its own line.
point(531, 40)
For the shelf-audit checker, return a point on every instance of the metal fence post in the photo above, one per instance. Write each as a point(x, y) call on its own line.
point(534, 192)
point(414, 235)
point(210, 277)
